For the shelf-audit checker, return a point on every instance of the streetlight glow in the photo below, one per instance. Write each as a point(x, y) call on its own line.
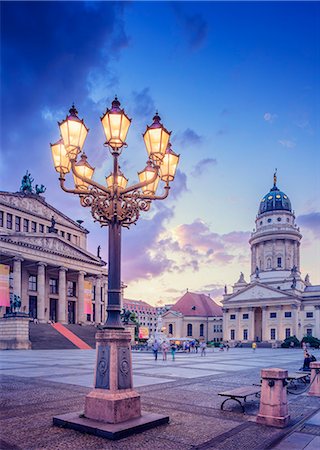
point(156, 139)
point(148, 174)
point(60, 157)
point(74, 132)
point(120, 180)
point(116, 124)
point(169, 164)
point(82, 169)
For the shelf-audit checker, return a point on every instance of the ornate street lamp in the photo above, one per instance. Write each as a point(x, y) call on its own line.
point(114, 205)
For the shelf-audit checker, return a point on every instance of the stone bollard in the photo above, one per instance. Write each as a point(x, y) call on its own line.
point(273, 402)
point(315, 379)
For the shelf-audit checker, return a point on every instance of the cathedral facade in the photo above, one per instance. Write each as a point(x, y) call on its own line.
point(277, 302)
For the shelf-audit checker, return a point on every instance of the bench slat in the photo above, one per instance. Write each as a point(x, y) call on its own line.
point(241, 392)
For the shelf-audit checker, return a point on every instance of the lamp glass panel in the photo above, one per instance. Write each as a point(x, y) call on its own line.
point(122, 181)
point(169, 166)
point(85, 171)
point(116, 126)
point(156, 140)
point(146, 175)
point(73, 133)
point(60, 158)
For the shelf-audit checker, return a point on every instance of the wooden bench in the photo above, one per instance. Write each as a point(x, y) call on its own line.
point(294, 377)
point(239, 394)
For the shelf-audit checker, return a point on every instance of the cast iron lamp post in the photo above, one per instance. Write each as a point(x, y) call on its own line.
point(114, 205)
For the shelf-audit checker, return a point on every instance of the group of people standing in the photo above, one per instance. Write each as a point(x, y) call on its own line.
point(164, 348)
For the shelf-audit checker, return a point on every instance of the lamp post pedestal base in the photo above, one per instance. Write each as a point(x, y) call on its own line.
point(113, 408)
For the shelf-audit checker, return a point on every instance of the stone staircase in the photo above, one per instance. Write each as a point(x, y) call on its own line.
point(44, 337)
point(85, 332)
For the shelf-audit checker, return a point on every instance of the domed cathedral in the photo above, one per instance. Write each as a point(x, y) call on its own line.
point(277, 302)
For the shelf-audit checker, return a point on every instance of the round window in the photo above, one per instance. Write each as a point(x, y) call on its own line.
point(269, 220)
point(279, 219)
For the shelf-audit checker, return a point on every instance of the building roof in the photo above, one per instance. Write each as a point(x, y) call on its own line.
point(138, 303)
point(315, 288)
point(275, 199)
point(191, 304)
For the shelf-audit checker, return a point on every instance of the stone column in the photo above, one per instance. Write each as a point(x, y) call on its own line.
point(317, 321)
point(280, 331)
point(98, 300)
point(17, 276)
point(315, 379)
point(80, 303)
point(294, 319)
point(224, 324)
point(274, 260)
point(273, 409)
point(62, 302)
point(41, 281)
point(238, 326)
point(251, 336)
point(264, 323)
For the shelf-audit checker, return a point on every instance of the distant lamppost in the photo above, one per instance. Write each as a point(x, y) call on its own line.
point(114, 205)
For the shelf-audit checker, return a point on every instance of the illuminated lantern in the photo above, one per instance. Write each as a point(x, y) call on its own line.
point(148, 174)
point(156, 139)
point(73, 132)
point(169, 165)
point(84, 169)
point(61, 160)
point(116, 124)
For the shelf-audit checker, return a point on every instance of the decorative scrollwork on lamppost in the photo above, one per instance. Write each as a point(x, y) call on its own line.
point(114, 205)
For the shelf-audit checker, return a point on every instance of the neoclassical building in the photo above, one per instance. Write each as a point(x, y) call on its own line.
point(277, 302)
point(194, 316)
point(50, 268)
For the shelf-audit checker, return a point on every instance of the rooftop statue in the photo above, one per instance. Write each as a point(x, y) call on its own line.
point(27, 188)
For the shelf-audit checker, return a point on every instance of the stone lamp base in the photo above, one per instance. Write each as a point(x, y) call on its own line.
point(113, 407)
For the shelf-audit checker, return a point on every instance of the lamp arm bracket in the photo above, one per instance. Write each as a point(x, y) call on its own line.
point(156, 197)
point(88, 180)
point(72, 191)
point(136, 186)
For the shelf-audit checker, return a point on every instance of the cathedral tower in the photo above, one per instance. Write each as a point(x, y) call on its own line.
point(275, 243)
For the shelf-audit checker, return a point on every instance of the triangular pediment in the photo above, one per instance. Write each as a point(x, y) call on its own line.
point(169, 314)
point(36, 205)
point(257, 291)
point(51, 243)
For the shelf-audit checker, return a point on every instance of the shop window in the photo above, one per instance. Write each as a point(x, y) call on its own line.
point(53, 285)
point(25, 225)
point(17, 223)
point(32, 282)
point(71, 288)
point(9, 221)
point(279, 264)
point(288, 332)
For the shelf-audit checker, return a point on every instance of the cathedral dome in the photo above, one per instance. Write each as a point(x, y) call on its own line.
point(275, 200)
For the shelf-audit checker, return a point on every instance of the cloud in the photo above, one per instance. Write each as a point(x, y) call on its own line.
point(143, 105)
point(179, 186)
point(194, 26)
point(202, 166)
point(143, 258)
point(237, 238)
point(269, 117)
point(287, 143)
point(311, 222)
point(189, 137)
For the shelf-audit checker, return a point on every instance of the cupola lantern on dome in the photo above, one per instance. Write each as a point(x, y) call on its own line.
point(275, 200)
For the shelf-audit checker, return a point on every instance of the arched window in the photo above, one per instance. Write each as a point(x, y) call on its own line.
point(189, 329)
point(279, 262)
point(170, 328)
point(201, 329)
point(269, 263)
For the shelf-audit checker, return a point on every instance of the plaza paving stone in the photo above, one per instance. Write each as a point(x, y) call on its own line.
point(36, 385)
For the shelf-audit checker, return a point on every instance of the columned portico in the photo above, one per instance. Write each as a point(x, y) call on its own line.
point(62, 303)
point(42, 313)
point(17, 276)
point(81, 315)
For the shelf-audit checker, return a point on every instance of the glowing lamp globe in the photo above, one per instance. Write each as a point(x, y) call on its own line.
point(169, 165)
point(83, 169)
point(156, 139)
point(116, 124)
point(74, 132)
point(148, 174)
point(60, 157)
point(121, 181)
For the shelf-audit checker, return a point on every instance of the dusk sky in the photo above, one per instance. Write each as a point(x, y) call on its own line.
point(238, 85)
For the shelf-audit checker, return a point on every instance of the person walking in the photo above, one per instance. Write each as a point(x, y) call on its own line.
point(164, 350)
point(173, 350)
point(203, 347)
point(155, 349)
point(254, 346)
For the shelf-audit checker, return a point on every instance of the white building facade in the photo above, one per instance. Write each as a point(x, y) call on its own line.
point(277, 302)
point(46, 252)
